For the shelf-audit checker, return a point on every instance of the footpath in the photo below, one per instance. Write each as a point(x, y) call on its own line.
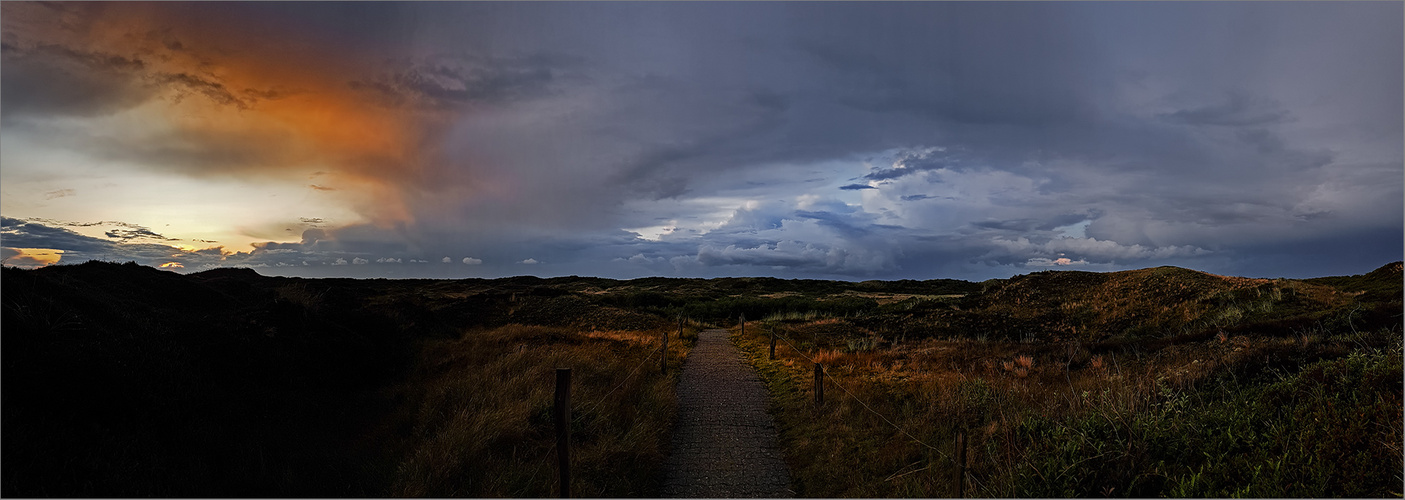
point(724, 443)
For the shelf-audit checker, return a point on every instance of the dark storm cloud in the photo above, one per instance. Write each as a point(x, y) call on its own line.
point(272, 94)
point(136, 234)
point(1023, 64)
point(16, 233)
point(454, 81)
point(1019, 225)
point(982, 127)
point(913, 161)
point(57, 80)
point(43, 79)
point(1240, 110)
point(188, 83)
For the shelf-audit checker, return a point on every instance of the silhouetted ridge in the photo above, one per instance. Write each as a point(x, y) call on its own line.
point(241, 273)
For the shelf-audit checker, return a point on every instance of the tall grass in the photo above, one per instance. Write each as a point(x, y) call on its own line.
point(1244, 416)
point(1331, 429)
point(810, 315)
point(476, 416)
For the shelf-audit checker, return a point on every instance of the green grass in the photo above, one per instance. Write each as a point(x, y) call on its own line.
point(1331, 429)
point(1262, 417)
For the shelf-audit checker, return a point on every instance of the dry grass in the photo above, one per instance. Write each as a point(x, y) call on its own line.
point(476, 416)
point(926, 390)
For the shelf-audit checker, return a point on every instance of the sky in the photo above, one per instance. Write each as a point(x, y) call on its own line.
point(831, 140)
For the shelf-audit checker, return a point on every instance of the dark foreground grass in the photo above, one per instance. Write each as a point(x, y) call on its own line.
point(1332, 429)
point(125, 381)
point(476, 416)
point(1240, 416)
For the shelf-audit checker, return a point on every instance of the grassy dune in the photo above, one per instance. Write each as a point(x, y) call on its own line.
point(122, 380)
point(1298, 393)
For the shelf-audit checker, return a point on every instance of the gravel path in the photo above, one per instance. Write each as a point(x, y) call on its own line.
point(724, 442)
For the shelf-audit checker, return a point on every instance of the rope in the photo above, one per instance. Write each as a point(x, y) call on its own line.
point(579, 415)
point(825, 373)
point(597, 404)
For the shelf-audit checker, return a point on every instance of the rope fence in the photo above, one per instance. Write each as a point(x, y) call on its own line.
point(825, 373)
point(658, 349)
point(545, 456)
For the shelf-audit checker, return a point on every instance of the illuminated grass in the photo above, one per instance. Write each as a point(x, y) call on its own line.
point(1264, 417)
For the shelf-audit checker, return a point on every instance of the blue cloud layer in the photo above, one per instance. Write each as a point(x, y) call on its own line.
point(838, 140)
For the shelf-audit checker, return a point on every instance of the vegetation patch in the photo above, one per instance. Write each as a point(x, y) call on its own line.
point(122, 380)
point(1267, 388)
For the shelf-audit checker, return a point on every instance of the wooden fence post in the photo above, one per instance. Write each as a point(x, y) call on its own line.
point(563, 430)
point(773, 342)
point(743, 324)
point(663, 360)
point(961, 464)
point(819, 385)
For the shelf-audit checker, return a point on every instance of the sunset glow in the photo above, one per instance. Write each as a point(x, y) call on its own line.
point(31, 257)
point(832, 140)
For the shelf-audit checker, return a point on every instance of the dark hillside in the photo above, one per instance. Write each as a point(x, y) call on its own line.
point(1157, 302)
point(1382, 285)
point(128, 381)
point(123, 380)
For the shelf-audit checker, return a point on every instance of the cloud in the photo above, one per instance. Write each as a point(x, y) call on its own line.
point(1100, 251)
point(359, 261)
point(1240, 110)
point(465, 79)
point(185, 83)
point(44, 79)
point(787, 254)
point(446, 260)
point(21, 234)
point(136, 233)
point(29, 257)
point(339, 262)
point(472, 261)
point(823, 148)
point(1061, 261)
point(909, 161)
point(528, 261)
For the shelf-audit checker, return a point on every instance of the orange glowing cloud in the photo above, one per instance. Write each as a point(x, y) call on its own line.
point(32, 257)
point(239, 99)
